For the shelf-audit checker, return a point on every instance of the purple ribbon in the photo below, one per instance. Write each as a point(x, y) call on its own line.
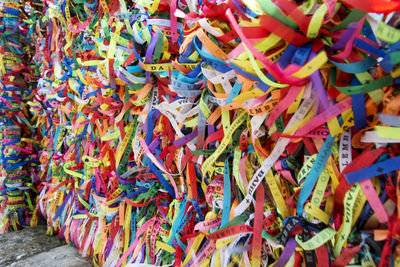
point(287, 253)
point(183, 140)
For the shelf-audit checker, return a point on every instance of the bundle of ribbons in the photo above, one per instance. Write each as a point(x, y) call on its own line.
point(211, 133)
point(18, 148)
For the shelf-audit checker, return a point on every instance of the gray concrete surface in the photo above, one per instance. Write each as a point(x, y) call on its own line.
point(32, 247)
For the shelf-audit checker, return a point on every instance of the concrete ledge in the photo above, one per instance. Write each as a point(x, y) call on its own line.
point(32, 247)
point(56, 257)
